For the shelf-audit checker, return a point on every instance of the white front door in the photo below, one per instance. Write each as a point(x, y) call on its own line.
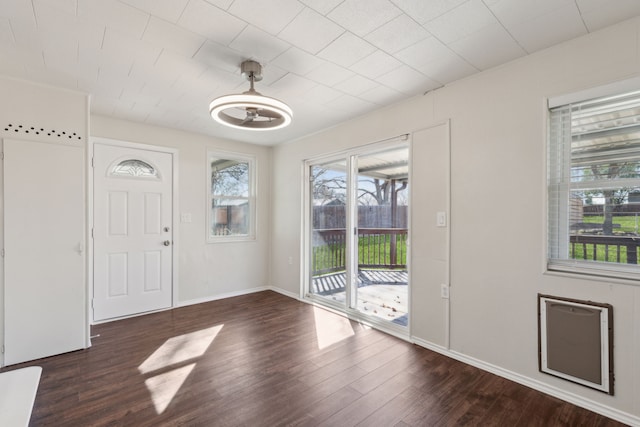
point(132, 233)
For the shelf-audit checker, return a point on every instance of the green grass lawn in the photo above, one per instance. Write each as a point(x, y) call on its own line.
point(628, 223)
point(602, 254)
point(376, 249)
point(612, 253)
point(372, 250)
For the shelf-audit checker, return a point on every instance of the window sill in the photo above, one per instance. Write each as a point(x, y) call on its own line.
point(231, 239)
point(586, 274)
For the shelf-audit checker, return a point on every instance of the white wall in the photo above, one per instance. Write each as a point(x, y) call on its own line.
point(206, 270)
point(498, 143)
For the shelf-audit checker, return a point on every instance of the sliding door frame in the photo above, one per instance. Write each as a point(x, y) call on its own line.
point(349, 156)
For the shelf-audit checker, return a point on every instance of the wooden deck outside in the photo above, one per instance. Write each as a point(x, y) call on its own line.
point(328, 284)
point(381, 293)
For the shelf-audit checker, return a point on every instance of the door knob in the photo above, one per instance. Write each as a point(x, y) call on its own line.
point(166, 243)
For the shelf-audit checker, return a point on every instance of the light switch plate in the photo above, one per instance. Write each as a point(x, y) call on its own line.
point(444, 291)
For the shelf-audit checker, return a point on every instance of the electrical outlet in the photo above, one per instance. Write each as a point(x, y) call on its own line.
point(444, 291)
point(441, 219)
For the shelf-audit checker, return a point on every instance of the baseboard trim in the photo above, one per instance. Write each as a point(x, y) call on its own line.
point(237, 294)
point(591, 405)
point(283, 292)
point(223, 296)
point(431, 346)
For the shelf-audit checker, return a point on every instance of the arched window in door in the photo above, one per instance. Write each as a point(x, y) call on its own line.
point(135, 168)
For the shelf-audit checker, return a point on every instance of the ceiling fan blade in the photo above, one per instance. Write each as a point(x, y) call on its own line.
point(268, 114)
point(247, 119)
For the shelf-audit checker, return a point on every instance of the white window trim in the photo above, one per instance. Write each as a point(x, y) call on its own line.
point(625, 273)
point(610, 89)
point(253, 173)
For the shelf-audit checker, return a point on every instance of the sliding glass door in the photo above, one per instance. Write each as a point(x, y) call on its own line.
point(329, 245)
point(382, 225)
point(358, 226)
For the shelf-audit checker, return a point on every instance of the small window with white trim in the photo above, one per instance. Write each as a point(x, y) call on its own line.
point(594, 186)
point(231, 191)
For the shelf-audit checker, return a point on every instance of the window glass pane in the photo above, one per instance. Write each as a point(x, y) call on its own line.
point(229, 177)
point(382, 223)
point(605, 211)
point(329, 221)
point(133, 167)
point(230, 217)
point(231, 212)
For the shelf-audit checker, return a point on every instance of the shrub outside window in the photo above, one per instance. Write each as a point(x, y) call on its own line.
point(594, 186)
point(231, 190)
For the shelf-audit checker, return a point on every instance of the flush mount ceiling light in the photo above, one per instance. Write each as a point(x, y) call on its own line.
point(251, 110)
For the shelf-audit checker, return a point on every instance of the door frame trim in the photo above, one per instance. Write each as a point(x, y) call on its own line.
point(174, 211)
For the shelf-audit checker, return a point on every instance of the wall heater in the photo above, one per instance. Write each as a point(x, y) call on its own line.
point(575, 341)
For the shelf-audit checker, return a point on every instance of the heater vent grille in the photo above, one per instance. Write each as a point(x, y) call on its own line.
point(13, 129)
point(576, 341)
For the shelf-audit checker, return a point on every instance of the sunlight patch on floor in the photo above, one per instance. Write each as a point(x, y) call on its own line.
point(170, 365)
point(330, 328)
point(164, 387)
point(180, 349)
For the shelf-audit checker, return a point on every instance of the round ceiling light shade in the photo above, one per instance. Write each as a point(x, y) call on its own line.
point(251, 110)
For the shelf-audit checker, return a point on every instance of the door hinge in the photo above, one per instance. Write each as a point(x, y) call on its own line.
point(3, 349)
point(2, 155)
point(92, 164)
point(92, 233)
point(2, 252)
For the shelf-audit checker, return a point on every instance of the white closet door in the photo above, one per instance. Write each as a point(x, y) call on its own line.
point(45, 292)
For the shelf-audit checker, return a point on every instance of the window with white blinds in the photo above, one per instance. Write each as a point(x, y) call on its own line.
point(594, 186)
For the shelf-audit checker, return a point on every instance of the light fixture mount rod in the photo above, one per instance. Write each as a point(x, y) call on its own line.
point(251, 70)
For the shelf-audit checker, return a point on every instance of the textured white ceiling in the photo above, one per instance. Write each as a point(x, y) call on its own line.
point(162, 61)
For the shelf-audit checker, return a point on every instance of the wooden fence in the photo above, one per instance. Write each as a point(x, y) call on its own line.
point(334, 216)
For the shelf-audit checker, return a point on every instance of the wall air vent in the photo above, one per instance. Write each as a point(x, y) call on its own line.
point(576, 341)
point(13, 129)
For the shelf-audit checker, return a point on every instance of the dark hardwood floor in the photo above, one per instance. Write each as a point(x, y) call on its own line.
point(255, 360)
